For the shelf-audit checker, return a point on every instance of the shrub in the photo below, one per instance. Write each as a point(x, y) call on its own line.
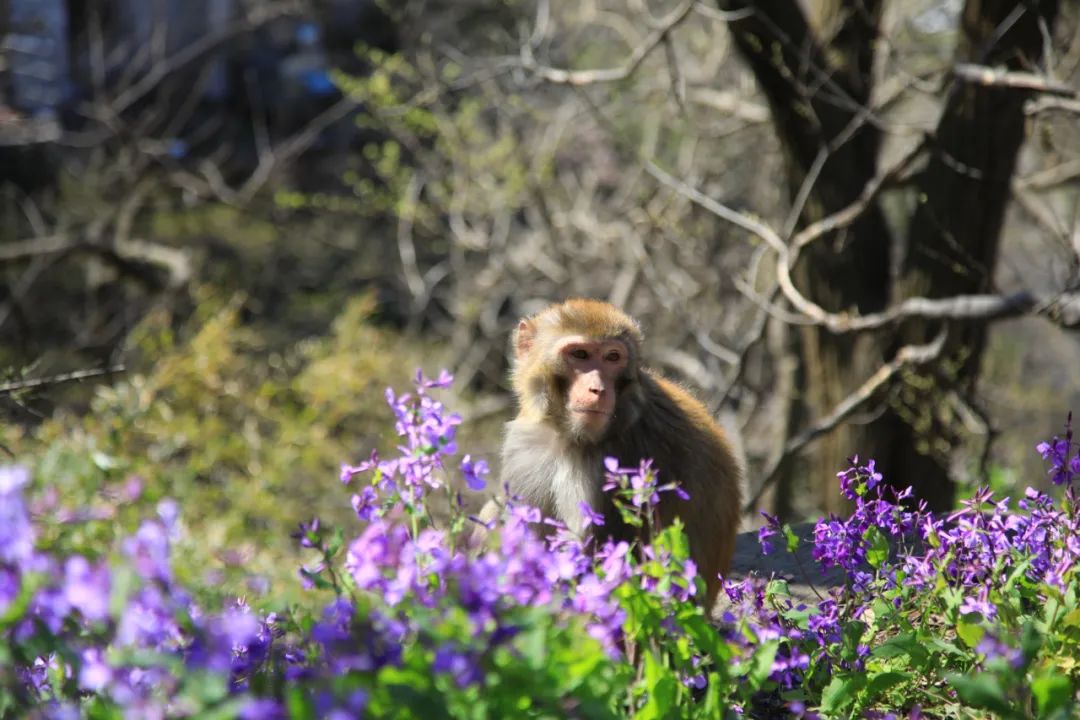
point(247, 433)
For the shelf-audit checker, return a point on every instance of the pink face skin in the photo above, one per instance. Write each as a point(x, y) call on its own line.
point(594, 367)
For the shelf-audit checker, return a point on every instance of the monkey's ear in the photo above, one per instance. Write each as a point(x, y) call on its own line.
point(524, 337)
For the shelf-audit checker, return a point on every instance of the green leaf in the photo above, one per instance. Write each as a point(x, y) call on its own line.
point(17, 607)
point(761, 664)
point(791, 538)
point(1018, 573)
point(970, 633)
point(947, 647)
point(1052, 692)
point(877, 554)
point(95, 708)
point(661, 690)
point(337, 539)
point(882, 682)
point(851, 636)
point(299, 705)
point(906, 644)
point(777, 587)
point(225, 711)
point(841, 693)
point(982, 691)
point(533, 647)
point(1030, 642)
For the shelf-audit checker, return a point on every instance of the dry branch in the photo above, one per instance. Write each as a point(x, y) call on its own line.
point(637, 56)
point(908, 356)
point(173, 260)
point(1012, 79)
point(1061, 308)
point(19, 385)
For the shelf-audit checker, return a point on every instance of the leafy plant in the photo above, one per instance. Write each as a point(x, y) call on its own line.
point(958, 616)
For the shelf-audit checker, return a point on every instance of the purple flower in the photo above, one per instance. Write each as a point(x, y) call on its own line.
point(474, 472)
point(13, 478)
point(347, 471)
point(308, 534)
point(169, 512)
point(444, 380)
point(94, 673)
point(462, 666)
point(86, 588)
point(589, 516)
point(764, 533)
point(366, 503)
point(16, 532)
point(149, 550)
point(1062, 469)
point(10, 586)
point(873, 477)
point(262, 709)
point(132, 489)
point(992, 648)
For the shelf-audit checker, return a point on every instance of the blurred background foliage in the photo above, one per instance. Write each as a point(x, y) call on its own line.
point(249, 439)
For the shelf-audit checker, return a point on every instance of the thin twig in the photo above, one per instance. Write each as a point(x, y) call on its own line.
point(74, 376)
point(637, 56)
point(1012, 79)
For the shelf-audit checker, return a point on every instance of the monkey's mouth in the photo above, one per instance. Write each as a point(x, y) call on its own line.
point(589, 411)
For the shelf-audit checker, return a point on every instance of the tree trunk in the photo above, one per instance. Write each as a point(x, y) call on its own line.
point(819, 105)
point(954, 235)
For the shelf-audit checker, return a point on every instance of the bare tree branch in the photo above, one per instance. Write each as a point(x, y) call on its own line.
point(197, 50)
point(174, 261)
point(19, 385)
point(1049, 104)
point(1012, 79)
point(908, 356)
point(1061, 308)
point(637, 56)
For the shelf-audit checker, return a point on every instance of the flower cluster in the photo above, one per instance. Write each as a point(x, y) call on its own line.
point(1062, 469)
point(979, 606)
point(128, 635)
point(427, 432)
point(915, 584)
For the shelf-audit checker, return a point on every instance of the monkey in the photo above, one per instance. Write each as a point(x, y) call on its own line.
point(584, 395)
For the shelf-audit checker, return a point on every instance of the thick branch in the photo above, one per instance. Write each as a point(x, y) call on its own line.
point(173, 260)
point(1063, 309)
point(908, 356)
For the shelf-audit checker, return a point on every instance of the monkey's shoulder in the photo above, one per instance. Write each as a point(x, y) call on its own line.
point(674, 398)
point(680, 427)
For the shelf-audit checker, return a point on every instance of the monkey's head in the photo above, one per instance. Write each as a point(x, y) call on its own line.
point(576, 367)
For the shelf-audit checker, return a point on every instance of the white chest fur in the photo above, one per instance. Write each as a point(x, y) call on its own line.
point(547, 474)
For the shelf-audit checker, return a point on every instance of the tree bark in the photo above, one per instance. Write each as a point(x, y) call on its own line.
point(818, 107)
point(954, 236)
point(819, 101)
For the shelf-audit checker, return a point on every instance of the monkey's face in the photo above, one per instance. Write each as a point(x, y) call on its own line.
point(592, 370)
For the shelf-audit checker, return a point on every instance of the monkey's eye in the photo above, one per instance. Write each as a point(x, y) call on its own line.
point(580, 354)
point(613, 356)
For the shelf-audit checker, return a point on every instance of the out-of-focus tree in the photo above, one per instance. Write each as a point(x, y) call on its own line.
point(817, 71)
point(136, 142)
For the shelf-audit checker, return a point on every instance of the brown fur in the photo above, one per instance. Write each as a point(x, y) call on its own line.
point(653, 418)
